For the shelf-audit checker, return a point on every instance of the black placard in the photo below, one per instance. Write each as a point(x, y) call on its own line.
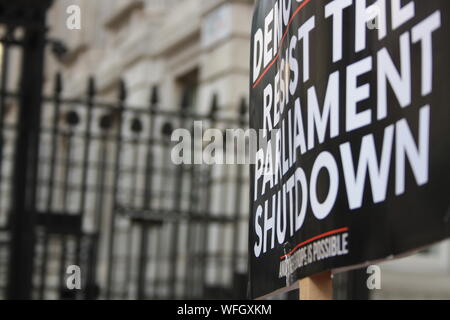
point(352, 98)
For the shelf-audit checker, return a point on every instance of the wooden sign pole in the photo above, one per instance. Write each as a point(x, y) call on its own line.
point(317, 287)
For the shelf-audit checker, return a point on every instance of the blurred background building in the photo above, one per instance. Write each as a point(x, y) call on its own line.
point(105, 194)
point(178, 232)
point(108, 197)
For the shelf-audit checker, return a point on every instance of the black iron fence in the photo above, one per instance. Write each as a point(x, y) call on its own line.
point(103, 194)
point(110, 200)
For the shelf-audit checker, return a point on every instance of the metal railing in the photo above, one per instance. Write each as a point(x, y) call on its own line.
point(110, 200)
point(107, 197)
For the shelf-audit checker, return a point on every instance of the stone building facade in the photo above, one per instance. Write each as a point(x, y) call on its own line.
point(192, 50)
point(200, 47)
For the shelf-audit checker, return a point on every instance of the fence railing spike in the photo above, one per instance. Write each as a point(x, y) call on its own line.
point(243, 107)
point(122, 90)
point(91, 87)
point(154, 97)
point(214, 105)
point(58, 83)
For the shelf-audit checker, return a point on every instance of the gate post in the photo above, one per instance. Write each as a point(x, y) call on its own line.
point(30, 15)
